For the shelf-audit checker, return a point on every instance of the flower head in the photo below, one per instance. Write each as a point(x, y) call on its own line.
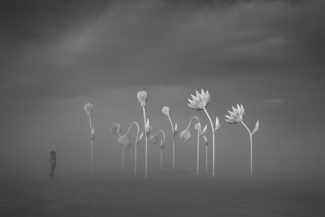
point(175, 130)
point(153, 139)
point(148, 128)
point(236, 115)
point(186, 134)
point(165, 110)
point(199, 101)
point(124, 141)
point(89, 108)
point(142, 97)
point(116, 128)
point(139, 140)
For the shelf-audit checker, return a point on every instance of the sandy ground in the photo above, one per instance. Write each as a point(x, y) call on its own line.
point(170, 193)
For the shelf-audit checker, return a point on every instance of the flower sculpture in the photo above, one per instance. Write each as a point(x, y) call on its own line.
point(89, 109)
point(125, 142)
point(165, 110)
point(143, 97)
point(236, 116)
point(153, 140)
point(200, 102)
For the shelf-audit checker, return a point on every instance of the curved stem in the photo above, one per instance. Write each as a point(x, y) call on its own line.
point(251, 146)
point(135, 144)
point(146, 140)
point(192, 120)
point(213, 143)
point(161, 131)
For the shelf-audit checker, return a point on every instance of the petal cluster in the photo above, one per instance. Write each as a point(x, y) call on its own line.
point(186, 135)
point(165, 110)
point(89, 108)
point(142, 97)
point(124, 141)
point(200, 101)
point(236, 115)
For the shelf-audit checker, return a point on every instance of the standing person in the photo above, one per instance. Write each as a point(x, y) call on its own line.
point(53, 163)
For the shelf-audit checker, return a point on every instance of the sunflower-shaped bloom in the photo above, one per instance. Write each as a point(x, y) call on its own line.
point(89, 108)
point(142, 97)
point(116, 128)
point(186, 135)
point(199, 101)
point(124, 141)
point(236, 115)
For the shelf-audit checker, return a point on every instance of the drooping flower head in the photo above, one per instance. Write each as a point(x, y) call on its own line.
point(165, 110)
point(142, 97)
point(185, 135)
point(89, 108)
point(153, 139)
point(124, 141)
point(236, 115)
point(116, 128)
point(199, 101)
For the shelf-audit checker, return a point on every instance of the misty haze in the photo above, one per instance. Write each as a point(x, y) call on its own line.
point(257, 65)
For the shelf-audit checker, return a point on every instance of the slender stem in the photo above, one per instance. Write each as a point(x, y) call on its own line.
point(213, 143)
point(160, 159)
point(251, 146)
point(171, 123)
point(136, 141)
point(206, 158)
point(192, 120)
point(91, 147)
point(123, 159)
point(198, 152)
point(146, 139)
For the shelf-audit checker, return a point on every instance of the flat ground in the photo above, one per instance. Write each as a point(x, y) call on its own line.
point(170, 193)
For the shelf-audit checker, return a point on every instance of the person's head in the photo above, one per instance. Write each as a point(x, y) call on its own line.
point(52, 153)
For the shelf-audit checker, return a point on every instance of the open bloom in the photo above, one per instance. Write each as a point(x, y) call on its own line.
point(124, 141)
point(89, 108)
point(199, 101)
point(186, 135)
point(116, 128)
point(236, 115)
point(142, 97)
point(165, 110)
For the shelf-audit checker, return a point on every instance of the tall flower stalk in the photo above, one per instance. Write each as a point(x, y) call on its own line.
point(200, 133)
point(153, 140)
point(200, 102)
point(236, 116)
point(165, 110)
point(143, 97)
point(89, 109)
point(186, 136)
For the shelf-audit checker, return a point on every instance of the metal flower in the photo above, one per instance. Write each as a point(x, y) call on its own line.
point(236, 115)
point(217, 127)
point(89, 108)
point(199, 101)
point(148, 128)
point(165, 110)
point(139, 140)
point(116, 128)
point(142, 97)
point(124, 141)
point(186, 135)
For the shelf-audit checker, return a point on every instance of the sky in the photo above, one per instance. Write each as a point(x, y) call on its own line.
point(56, 56)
